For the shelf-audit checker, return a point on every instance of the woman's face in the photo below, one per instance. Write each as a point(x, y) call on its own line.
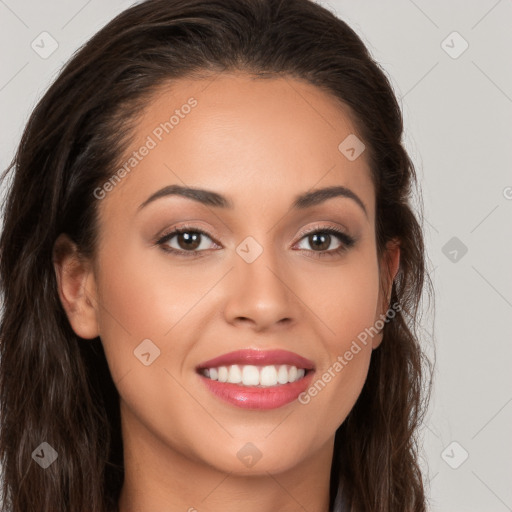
point(264, 275)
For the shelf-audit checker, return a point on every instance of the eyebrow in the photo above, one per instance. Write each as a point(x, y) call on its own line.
point(210, 198)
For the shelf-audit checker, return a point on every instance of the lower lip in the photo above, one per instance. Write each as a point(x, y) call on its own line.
point(252, 397)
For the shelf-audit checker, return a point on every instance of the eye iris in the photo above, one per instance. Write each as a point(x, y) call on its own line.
point(324, 241)
point(192, 240)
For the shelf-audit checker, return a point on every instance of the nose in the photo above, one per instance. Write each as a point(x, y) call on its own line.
point(260, 293)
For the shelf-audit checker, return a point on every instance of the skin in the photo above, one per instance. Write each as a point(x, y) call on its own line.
point(260, 143)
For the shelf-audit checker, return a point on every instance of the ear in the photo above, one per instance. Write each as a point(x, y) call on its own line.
point(76, 287)
point(389, 265)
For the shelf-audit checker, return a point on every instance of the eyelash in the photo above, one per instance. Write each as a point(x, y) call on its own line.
point(346, 241)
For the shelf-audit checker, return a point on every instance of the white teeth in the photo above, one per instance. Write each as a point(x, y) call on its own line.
point(250, 375)
point(282, 374)
point(223, 374)
point(268, 376)
point(235, 375)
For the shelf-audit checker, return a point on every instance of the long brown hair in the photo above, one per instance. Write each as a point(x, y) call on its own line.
point(56, 387)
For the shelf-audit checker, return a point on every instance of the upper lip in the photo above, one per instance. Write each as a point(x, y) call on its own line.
point(258, 358)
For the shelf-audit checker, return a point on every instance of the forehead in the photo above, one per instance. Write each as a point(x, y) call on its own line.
point(256, 140)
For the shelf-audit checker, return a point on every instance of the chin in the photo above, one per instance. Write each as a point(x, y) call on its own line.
point(257, 458)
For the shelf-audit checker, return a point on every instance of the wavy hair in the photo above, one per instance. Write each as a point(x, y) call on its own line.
point(55, 387)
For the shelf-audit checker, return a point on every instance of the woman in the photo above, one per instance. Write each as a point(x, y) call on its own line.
point(211, 273)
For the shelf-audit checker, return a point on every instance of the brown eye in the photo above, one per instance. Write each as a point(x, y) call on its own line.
point(320, 241)
point(186, 241)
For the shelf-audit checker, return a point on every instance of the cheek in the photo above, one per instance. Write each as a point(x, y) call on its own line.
point(346, 299)
point(347, 308)
point(142, 298)
point(147, 295)
point(146, 298)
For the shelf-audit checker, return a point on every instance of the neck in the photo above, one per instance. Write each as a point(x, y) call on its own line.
point(161, 479)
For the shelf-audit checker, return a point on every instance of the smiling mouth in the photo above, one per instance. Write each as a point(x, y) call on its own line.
point(255, 376)
point(257, 379)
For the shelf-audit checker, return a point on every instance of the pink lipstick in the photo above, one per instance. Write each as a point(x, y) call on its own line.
point(257, 379)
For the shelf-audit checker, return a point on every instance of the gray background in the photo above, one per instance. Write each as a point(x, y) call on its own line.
point(458, 110)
